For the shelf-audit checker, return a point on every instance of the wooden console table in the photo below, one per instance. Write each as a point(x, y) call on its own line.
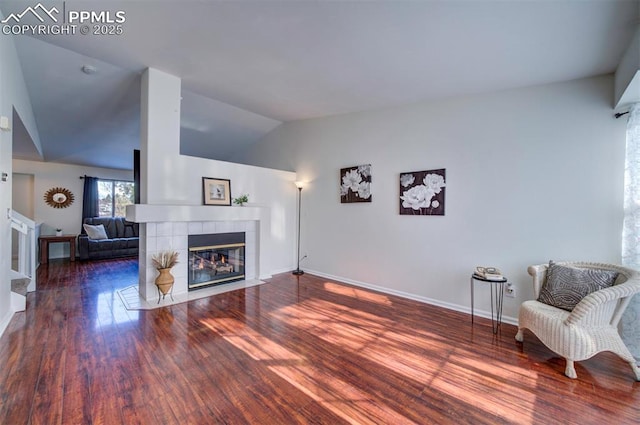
point(44, 242)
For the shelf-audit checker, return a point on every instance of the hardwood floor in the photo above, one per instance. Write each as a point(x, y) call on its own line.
point(289, 351)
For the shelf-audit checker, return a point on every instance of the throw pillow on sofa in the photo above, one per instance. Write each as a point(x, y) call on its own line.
point(95, 232)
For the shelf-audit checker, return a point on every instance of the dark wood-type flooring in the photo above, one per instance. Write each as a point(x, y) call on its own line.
point(286, 352)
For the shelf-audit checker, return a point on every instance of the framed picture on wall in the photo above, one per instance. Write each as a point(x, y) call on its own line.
point(355, 184)
point(422, 192)
point(216, 191)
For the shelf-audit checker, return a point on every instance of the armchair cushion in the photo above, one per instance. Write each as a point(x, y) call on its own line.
point(566, 286)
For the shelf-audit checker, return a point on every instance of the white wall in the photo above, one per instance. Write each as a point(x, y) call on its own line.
point(627, 76)
point(48, 175)
point(13, 94)
point(23, 197)
point(532, 174)
point(266, 187)
point(169, 178)
point(23, 202)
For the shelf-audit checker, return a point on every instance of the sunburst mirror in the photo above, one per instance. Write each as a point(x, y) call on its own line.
point(58, 197)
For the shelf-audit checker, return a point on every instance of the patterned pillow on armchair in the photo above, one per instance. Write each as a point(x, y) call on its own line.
point(565, 286)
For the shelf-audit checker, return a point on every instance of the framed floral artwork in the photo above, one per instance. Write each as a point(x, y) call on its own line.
point(355, 184)
point(216, 191)
point(422, 192)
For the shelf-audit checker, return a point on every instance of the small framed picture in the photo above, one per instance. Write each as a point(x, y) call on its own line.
point(216, 191)
point(355, 184)
point(422, 192)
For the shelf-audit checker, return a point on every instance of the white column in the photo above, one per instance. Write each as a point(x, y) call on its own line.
point(159, 135)
point(159, 147)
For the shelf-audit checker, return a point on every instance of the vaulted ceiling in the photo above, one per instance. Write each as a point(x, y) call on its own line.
point(247, 66)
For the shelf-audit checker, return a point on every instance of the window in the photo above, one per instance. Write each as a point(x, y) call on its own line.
point(113, 197)
point(630, 323)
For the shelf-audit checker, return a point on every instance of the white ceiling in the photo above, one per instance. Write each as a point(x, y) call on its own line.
point(246, 66)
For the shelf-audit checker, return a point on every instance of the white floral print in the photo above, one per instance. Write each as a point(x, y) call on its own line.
point(351, 180)
point(355, 184)
point(364, 170)
point(434, 182)
point(407, 180)
point(364, 190)
point(417, 197)
point(422, 192)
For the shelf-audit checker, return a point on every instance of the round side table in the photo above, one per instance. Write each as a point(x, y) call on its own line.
point(497, 296)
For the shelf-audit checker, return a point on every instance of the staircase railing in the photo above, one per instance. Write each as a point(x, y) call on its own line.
point(26, 244)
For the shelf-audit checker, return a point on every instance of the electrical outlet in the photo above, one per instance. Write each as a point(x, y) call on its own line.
point(510, 290)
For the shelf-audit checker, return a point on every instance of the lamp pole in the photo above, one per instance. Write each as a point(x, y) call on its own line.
point(297, 271)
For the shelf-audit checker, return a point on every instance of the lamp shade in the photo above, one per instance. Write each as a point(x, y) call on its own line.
point(299, 184)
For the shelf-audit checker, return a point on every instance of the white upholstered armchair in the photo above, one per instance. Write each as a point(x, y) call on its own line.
point(591, 327)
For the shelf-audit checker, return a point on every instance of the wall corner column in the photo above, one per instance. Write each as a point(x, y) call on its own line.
point(159, 146)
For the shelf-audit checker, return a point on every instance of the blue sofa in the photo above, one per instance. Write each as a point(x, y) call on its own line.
point(122, 239)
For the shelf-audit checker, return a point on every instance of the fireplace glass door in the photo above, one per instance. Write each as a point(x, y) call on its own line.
point(216, 264)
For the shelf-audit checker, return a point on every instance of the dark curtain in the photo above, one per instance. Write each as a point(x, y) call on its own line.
point(90, 198)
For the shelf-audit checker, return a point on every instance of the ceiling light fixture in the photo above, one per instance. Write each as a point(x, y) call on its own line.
point(88, 69)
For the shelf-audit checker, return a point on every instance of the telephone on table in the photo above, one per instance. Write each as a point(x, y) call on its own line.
point(489, 273)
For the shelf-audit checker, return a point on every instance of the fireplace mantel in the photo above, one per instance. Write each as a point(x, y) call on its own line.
point(146, 213)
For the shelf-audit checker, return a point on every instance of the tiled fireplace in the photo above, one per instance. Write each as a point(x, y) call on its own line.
point(168, 228)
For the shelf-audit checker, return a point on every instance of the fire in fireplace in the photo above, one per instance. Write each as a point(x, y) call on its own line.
point(215, 258)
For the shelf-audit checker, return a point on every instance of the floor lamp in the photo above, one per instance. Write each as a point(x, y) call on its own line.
point(299, 185)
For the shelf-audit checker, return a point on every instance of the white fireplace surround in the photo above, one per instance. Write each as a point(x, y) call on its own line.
point(167, 227)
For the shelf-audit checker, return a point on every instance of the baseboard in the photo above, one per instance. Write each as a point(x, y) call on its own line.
point(278, 271)
point(18, 302)
point(5, 321)
point(450, 306)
